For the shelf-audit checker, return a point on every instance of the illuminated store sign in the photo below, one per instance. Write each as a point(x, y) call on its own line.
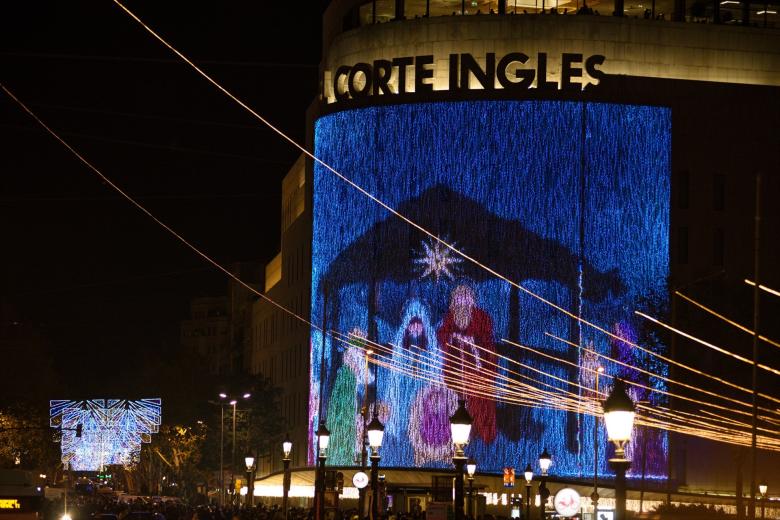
point(10, 503)
point(513, 72)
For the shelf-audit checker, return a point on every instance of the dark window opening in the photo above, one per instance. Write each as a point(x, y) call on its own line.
point(682, 245)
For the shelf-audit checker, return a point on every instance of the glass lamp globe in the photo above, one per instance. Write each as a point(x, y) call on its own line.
point(471, 468)
point(619, 417)
point(460, 425)
point(528, 473)
point(545, 461)
point(324, 436)
point(762, 488)
point(286, 446)
point(376, 432)
point(249, 460)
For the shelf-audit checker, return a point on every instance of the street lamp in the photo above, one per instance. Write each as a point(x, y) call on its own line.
point(528, 473)
point(249, 460)
point(545, 461)
point(595, 495)
point(286, 449)
point(66, 477)
point(460, 429)
point(471, 468)
point(376, 432)
point(323, 440)
point(619, 419)
point(232, 401)
point(762, 488)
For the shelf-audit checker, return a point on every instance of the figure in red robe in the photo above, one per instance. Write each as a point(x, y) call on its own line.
point(464, 327)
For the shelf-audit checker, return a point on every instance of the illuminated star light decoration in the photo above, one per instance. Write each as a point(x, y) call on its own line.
point(437, 260)
point(112, 430)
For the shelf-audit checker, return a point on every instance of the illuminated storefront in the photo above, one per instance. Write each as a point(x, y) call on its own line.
point(561, 152)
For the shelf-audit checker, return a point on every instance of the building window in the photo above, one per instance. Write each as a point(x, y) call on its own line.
point(683, 190)
point(718, 192)
point(718, 247)
point(385, 12)
point(682, 245)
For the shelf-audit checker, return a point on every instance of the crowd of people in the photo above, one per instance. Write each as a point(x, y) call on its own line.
point(96, 507)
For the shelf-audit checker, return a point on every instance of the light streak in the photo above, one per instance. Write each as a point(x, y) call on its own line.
point(724, 318)
point(698, 425)
point(709, 345)
point(149, 214)
point(632, 383)
point(652, 374)
point(763, 287)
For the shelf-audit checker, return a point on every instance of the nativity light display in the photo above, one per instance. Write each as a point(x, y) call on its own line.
point(100, 432)
point(570, 199)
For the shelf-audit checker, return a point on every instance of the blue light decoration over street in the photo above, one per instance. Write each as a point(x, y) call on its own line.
point(112, 430)
point(569, 199)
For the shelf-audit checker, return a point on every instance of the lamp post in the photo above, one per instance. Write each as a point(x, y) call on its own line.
point(528, 473)
point(364, 439)
point(286, 449)
point(232, 401)
point(619, 419)
point(595, 495)
point(545, 461)
point(249, 460)
point(376, 432)
point(460, 429)
point(66, 472)
point(762, 488)
point(323, 439)
point(471, 468)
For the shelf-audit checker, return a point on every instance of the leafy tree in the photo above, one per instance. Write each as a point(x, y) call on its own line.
point(26, 441)
point(171, 462)
point(266, 424)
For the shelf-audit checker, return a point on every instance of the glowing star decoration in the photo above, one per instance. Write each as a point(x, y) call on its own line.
point(437, 260)
point(112, 430)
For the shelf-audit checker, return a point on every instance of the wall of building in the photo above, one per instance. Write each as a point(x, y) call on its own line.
point(279, 343)
point(721, 83)
point(633, 47)
point(207, 332)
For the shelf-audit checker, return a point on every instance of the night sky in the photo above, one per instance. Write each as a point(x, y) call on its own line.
point(103, 284)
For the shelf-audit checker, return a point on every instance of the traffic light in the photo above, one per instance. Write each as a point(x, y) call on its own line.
point(78, 431)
